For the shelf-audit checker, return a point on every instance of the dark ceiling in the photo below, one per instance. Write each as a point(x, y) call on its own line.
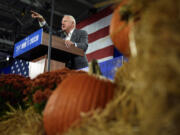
point(16, 22)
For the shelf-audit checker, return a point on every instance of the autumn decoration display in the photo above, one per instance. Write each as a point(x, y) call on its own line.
point(78, 93)
point(143, 98)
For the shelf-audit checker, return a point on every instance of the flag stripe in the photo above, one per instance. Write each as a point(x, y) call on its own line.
point(95, 17)
point(93, 27)
point(99, 44)
point(98, 34)
point(101, 53)
point(105, 59)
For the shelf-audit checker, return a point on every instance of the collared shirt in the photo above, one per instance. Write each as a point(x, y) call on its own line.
point(68, 37)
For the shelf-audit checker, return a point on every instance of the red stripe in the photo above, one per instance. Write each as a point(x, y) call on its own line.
point(101, 53)
point(98, 34)
point(105, 12)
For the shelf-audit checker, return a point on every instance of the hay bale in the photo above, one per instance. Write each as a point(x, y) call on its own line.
point(158, 43)
point(20, 122)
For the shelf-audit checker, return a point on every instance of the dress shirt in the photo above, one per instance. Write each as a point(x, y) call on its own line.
point(68, 37)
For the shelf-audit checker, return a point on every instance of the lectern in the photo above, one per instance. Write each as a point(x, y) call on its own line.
point(34, 48)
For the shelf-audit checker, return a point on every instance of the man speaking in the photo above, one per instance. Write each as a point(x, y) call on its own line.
point(72, 37)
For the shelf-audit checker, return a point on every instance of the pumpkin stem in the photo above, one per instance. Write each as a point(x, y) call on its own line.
point(94, 68)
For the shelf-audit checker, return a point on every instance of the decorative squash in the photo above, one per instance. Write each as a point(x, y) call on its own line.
point(77, 93)
point(119, 31)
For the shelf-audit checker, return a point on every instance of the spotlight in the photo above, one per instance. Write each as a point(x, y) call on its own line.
point(7, 58)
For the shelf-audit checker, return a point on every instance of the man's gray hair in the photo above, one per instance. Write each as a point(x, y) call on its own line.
point(73, 19)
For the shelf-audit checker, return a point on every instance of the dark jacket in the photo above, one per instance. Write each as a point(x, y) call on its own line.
point(80, 37)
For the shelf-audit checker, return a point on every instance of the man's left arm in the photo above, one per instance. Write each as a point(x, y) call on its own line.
point(83, 42)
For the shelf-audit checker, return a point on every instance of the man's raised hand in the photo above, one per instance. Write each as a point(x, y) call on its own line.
point(37, 15)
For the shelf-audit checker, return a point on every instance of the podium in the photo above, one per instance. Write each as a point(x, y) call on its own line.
point(34, 48)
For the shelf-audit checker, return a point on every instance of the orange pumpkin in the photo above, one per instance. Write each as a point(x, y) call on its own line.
point(119, 31)
point(77, 93)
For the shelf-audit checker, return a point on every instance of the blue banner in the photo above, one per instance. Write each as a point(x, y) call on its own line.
point(28, 43)
point(109, 67)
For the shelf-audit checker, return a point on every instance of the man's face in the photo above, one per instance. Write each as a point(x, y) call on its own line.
point(67, 24)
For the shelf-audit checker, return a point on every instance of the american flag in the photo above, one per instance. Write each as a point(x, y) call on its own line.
point(97, 26)
point(20, 67)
